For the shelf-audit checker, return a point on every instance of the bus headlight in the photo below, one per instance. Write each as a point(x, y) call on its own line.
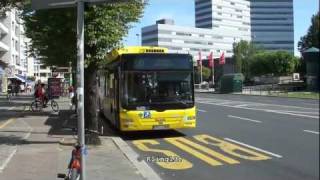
point(188, 118)
point(127, 121)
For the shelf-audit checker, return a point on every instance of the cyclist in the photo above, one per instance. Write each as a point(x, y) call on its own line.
point(40, 93)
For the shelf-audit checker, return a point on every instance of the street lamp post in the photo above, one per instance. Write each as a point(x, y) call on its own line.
point(80, 88)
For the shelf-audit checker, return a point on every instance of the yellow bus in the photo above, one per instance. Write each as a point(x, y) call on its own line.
point(147, 88)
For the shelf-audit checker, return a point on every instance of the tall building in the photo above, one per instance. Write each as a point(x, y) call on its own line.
point(13, 59)
point(230, 17)
point(183, 39)
point(272, 24)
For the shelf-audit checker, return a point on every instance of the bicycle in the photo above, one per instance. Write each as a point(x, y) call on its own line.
point(38, 105)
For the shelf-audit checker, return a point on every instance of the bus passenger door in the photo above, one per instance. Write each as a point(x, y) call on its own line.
point(116, 107)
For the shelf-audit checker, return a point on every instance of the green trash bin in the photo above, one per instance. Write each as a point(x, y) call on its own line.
point(230, 83)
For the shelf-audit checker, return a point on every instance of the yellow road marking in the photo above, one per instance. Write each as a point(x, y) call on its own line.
point(169, 161)
point(232, 149)
point(192, 150)
point(6, 123)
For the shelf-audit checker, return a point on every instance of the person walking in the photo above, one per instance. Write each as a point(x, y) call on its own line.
point(71, 96)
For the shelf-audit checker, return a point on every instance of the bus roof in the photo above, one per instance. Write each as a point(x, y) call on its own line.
point(135, 50)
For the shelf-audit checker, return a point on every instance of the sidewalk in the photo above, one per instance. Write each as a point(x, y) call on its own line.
point(30, 149)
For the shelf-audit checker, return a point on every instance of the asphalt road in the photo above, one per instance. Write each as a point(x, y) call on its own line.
point(238, 137)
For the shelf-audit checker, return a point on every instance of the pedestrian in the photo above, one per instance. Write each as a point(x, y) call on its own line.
point(22, 88)
point(71, 95)
point(16, 88)
point(28, 88)
point(10, 89)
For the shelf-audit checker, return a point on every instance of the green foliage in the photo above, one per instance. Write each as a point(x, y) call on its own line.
point(311, 39)
point(53, 35)
point(206, 72)
point(7, 4)
point(278, 63)
point(243, 53)
point(53, 32)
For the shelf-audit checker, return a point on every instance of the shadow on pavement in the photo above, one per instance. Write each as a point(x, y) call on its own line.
point(16, 140)
point(110, 130)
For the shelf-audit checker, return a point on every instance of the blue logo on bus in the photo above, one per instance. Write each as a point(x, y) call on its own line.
point(146, 114)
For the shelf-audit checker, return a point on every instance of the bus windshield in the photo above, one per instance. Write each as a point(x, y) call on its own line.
point(157, 89)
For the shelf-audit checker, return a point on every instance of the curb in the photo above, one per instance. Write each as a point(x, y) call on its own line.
point(144, 169)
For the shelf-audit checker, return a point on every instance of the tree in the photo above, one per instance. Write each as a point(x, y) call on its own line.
point(243, 52)
point(278, 63)
point(311, 39)
point(7, 4)
point(53, 38)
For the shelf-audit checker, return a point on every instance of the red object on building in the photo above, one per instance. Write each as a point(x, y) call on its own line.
point(210, 60)
point(199, 60)
point(222, 59)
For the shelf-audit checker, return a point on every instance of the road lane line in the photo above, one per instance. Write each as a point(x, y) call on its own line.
point(246, 119)
point(313, 132)
point(272, 111)
point(257, 103)
point(11, 108)
point(200, 110)
point(293, 114)
point(252, 147)
point(4, 165)
point(6, 123)
point(302, 112)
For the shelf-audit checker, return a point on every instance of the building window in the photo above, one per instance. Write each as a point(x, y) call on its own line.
point(219, 7)
point(183, 34)
point(232, 3)
point(43, 74)
point(239, 17)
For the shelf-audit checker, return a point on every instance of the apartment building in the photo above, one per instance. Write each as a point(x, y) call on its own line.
point(13, 45)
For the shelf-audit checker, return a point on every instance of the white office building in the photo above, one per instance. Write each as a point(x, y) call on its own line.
point(190, 40)
point(220, 23)
point(40, 71)
point(228, 16)
point(272, 24)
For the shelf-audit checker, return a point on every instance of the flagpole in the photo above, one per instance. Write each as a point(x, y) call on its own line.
point(212, 71)
point(201, 71)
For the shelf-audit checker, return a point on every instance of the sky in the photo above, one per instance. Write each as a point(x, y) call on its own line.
point(182, 12)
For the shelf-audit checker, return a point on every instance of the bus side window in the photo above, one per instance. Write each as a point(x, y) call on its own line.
point(110, 84)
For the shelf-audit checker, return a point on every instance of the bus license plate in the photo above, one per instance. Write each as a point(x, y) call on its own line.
point(160, 127)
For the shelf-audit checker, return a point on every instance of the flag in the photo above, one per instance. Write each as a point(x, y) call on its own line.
point(222, 59)
point(210, 60)
point(199, 60)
